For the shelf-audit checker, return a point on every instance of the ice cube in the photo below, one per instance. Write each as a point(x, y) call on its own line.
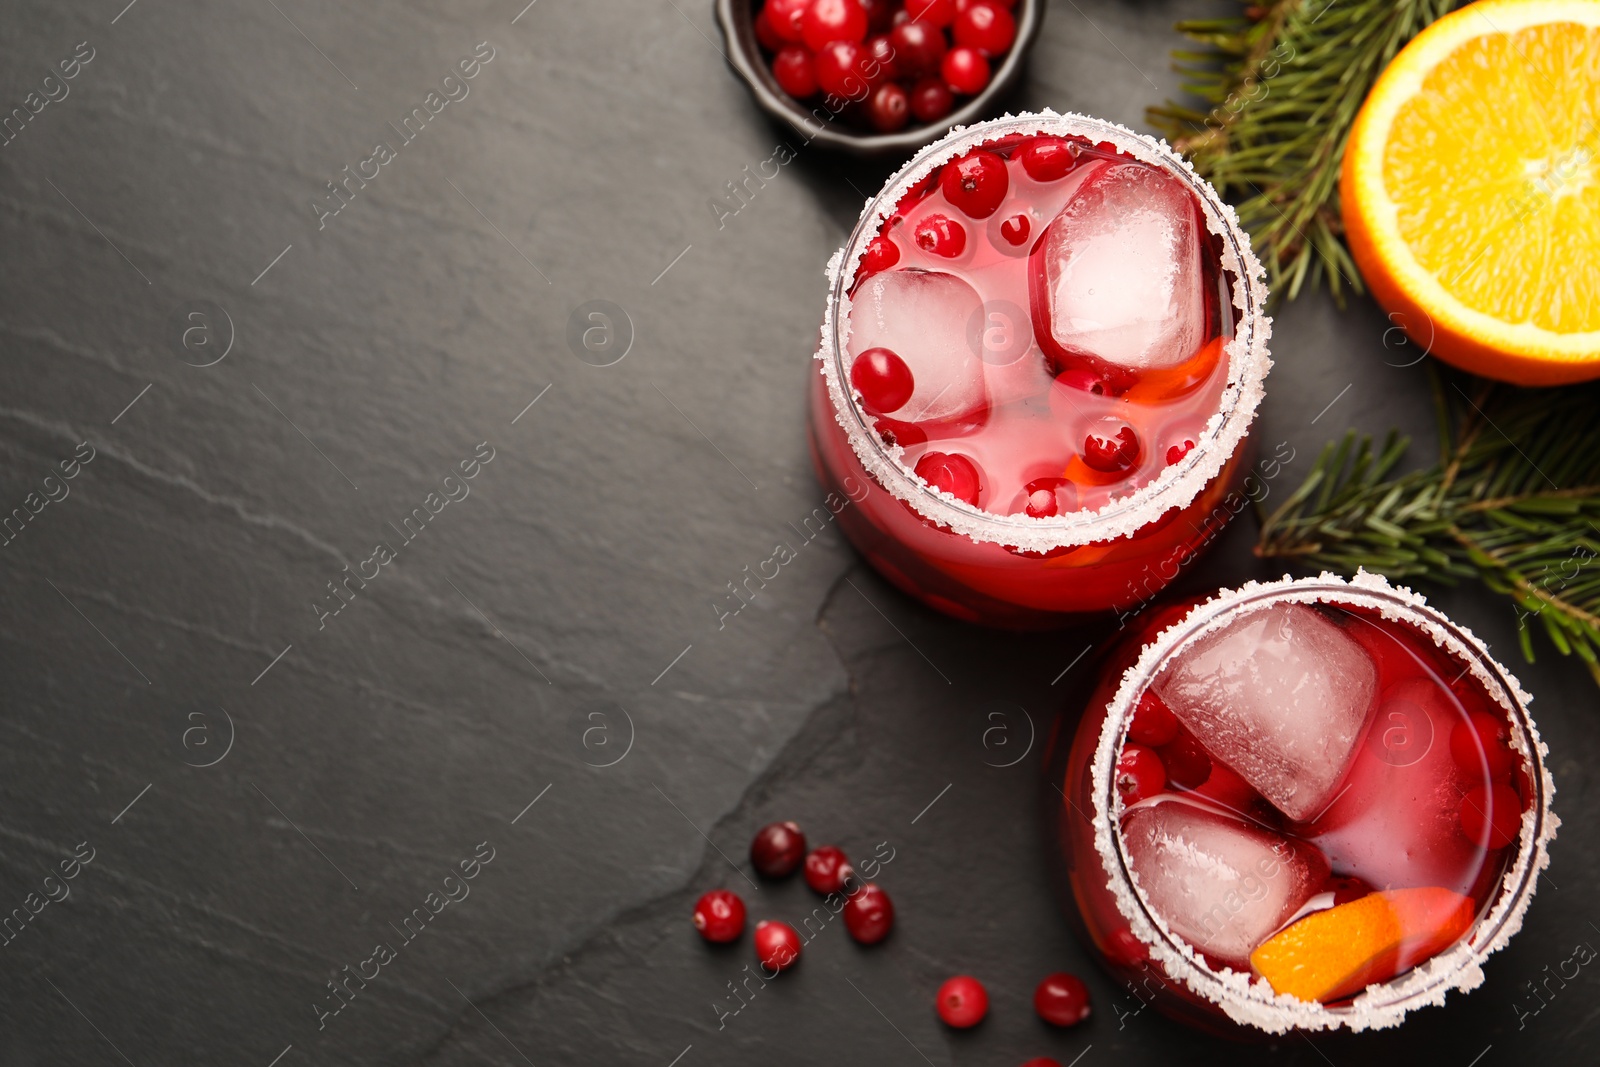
point(1116, 278)
point(1279, 695)
point(922, 316)
point(1222, 884)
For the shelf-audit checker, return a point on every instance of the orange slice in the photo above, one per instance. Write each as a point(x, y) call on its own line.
point(1334, 953)
point(1471, 190)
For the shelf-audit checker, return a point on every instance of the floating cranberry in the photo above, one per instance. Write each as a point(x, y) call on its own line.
point(1491, 815)
point(1482, 742)
point(987, 27)
point(1178, 451)
point(965, 70)
point(1062, 1000)
point(904, 434)
point(1187, 764)
point(785, 17)
point(883, 380)
point(778, 849)
point(1225, 786)
point(935, 13)
point(962, 1001)
point(1015, 230)
point(1048, 159)
point(941, 235)
point(1153, 722)
point(719, 916)
point(826, 21)
point(888, 108)
point(918, 48)
point(931, 100)
point(1111, 446)
point(976, 183)
point(1045, 498)
point(952, 473)
point(869, 914)
point(794, 71)
point(881, 52)
point(1140, 774)
point(777, 945)
point(881, 254)
point(838, 66)
point(827, 868)
point(1088, 381)
point(765, 34)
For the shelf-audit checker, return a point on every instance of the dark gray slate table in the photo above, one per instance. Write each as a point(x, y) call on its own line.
point(168, 612)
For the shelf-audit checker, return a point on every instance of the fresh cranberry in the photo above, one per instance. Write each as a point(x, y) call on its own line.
point(785, 17)
point(965, 70)
point(826, 21)
point(904, 434)
point(880, 50)
point(883, 380)
point(719, 916)
point(838, 65)
point(976, 183)
point(931, 100)
point(777, 945)
point(778, 849)
point(987, 27)
point(918, 48)
point(1140, 774)
point(794, 72)
point(1045, 498)
point(941, 236)
point(935, 13)
point(1111, 446)
point(1177, 452)
point(1048, 159)
point(881, 254)
point(888, 108)
point(1153, 722)
point(880, 14)
point(827, 869)
point(1062, 1000)
point(765, 34)
point(1482, 742)
point(1186, 761)
point(962, 1001)
point(952, 473)
point(1491, 815)
point(1015, 230)
point(1087, 381)
point(869, 914)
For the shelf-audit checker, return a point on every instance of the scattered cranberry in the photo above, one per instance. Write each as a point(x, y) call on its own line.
point(1140, 774)
point(1153, 722)
point(827, 869)
point(952, 473)
point(965, 70)
point(918, 48)
point(931, 100)
point(1048, 159)
point(765, 34)
point(1015, 230)
point(1062, 1000)
point(963, 1001)
point(778, 849)
point(1177, 452)
point(1491, 815)
point(794, 71)
point(987, 27)
point(883, 380)
point(1045, 498)
point(1482, 742)
point(1186, 761)
point(786, 17)
point(826, 21)
point(777, 945)
point(1111, 446)
point(976, 183)
point(935, 13)
point(838, 66)
point(719, 916)
point(881, 254)
point(888, 108)
point(941, 236)
point(869, 914)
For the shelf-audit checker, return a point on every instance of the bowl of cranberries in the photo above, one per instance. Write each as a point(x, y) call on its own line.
point(878, 76)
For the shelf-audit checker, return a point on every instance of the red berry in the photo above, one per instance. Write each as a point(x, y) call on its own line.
point(1045, 498)
point(888, 108)
point(777, 945)
point(778, 849)
point(1124, 948)
point(987, 27)
point(1111, 446)
point(1480, 743)
point(838, 65)
point(952, 473)
point(1140, 774)
point(794, 71)
point(719, 916)
point(1062, 1000)
point(1015, 230)
point(904, 434)
point(825, 21)
point(785, 17)
point(1047, 159)
point(827, 868)
point(1177, 452)
point(918, 48)
point(941, 235)
point(935, 13)
point(931, 100)
point(963, 1001)
point(1225, 786)
point(881, 51)
point(1186, 761)
point(881, 254)
point(765, 34)
point(965, 70)
point(1491, 815)
point(1088, 381)
point(869, 914)
point(1153, 722)
point(883, 380)
point(975, 183)
point(880, 15)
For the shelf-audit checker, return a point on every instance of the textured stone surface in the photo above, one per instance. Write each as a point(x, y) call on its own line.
point(521, 640)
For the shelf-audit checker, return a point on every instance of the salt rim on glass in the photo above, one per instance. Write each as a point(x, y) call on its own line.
point(1178, 485)
point(1251, 1001)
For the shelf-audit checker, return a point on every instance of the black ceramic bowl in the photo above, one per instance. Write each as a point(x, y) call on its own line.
point(737, 18)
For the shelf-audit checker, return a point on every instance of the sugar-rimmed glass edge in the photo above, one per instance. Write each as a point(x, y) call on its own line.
point(1176, 486)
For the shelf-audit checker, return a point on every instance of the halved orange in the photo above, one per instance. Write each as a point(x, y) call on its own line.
point(1471, 189)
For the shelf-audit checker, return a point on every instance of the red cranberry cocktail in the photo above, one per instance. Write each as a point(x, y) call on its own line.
point(1305, 804)
point(1045, 343)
